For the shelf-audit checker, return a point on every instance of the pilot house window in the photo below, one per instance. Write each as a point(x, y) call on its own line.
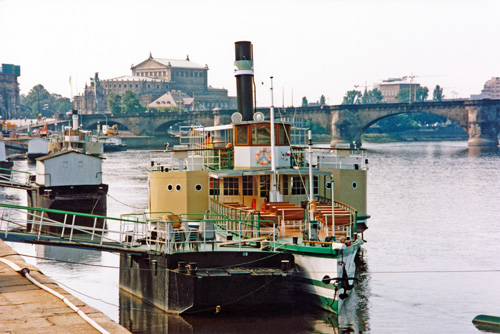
point(261, 135)
point(283, 136)
point(242, 135)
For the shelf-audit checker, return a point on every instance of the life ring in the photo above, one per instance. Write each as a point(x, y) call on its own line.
point(263, 156)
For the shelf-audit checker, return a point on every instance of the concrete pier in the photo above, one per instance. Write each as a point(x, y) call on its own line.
point(26, 308)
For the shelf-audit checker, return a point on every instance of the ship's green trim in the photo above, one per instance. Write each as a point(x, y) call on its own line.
point(79, 214)
point(318, 250)
point(487, 320)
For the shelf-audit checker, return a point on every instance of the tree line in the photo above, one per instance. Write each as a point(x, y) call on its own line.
point(39, 101)
point(405, 95)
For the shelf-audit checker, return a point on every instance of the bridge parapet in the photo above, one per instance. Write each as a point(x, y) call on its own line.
point(346, 123)
point(480, 119)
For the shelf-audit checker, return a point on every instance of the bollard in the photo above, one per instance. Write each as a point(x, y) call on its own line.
point(192, 268)
point(285, 265)
point(181, 267)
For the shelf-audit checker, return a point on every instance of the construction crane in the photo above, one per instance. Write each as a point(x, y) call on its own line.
point(412, 77)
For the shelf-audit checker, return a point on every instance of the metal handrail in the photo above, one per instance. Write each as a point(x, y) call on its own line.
point(143, 232)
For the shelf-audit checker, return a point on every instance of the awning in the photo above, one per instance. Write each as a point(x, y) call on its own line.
point(281, 171)
point(214, 128)
point(301, 171)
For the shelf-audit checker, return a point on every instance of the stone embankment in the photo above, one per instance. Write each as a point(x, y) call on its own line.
point(26, 308)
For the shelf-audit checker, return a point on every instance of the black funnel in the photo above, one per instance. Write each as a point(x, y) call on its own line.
point(244, 78)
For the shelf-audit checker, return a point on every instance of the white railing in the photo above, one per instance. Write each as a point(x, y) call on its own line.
point(333, 158)
point(11, 177)
point(137, 231)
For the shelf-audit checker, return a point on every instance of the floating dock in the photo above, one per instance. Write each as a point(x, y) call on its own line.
point(26, 308)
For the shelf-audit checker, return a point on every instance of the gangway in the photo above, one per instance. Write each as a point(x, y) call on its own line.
point(10, 178)
point(15, 145)
point(131, 233)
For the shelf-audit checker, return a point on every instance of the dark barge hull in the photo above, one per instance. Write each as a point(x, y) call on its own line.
point(6, 164)
point(262, 285)
point(31, 157)
point(114, 148)
point(90, 199)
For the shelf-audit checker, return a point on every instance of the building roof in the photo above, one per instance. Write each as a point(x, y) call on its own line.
point(172, 99)
point(133, 78)
point(174, 63)
point(179, 63)
point(63, 152)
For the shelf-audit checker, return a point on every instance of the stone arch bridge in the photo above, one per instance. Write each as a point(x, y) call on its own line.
point(480, 119)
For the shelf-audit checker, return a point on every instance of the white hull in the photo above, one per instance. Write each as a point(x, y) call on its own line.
point(312, 269)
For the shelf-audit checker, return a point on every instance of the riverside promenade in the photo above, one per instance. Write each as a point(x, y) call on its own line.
point(26, 308)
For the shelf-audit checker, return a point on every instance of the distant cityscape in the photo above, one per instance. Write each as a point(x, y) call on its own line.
point(177, 85)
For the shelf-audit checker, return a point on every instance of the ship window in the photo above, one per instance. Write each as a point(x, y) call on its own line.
point(284, 184)
point(198, 187)
point(242, 135)
point(265, 186)
point(231, 186)
point(247, 186)
point(214, 187)
point(315, 185)
point(298, 186)
point(354, 185)
point(178, 187)
point(261, 135)
point(283, 136)
point(170, 187)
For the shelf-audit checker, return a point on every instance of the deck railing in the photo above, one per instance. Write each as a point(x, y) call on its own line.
point(353, 213)
point(247, 222)
point(10, 177)
point(139, 232)
point(201, 158)
point(330, 158)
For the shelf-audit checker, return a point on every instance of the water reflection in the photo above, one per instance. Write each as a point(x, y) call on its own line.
point(66, 256)
point(141, 318)
point(483, 151)
point(354, 318)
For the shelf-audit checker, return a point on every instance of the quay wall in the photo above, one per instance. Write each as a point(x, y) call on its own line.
point(26, 308)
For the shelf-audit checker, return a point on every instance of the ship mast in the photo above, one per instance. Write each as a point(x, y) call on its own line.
point(273, 196)
point(311, 179)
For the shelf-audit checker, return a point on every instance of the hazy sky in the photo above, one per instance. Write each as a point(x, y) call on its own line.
point(311, 47)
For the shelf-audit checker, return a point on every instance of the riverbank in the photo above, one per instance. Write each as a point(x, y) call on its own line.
point(26, 308)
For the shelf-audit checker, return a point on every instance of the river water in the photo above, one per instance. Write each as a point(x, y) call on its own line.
point(430, 265)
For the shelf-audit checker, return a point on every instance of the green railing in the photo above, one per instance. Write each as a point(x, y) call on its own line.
point(138, 231)
point(8, 177)
point(69, 226)
point(353, 212)
point(248, 222)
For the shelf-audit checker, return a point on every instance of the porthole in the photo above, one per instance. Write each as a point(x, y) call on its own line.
point(198, 187)
point(170, 187)
point(354, 185)
point(178, 187)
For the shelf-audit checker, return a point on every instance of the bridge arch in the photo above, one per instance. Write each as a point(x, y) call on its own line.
point(165, 127)
point(363, 128)
point(480, 119)
point(93, 125)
